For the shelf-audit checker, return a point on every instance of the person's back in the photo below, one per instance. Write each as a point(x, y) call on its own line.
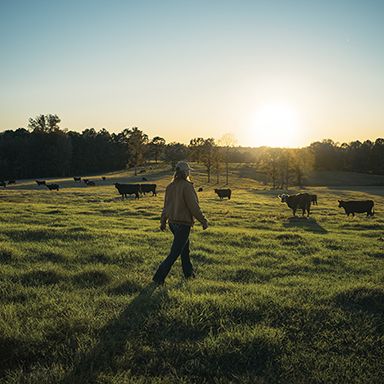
point(181, 206)
point(181, 203)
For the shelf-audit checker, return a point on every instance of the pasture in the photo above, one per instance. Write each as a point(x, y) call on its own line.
point(276, 299)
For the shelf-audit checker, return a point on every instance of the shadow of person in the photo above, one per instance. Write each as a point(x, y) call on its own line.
point(114, 336)
point(308, 224)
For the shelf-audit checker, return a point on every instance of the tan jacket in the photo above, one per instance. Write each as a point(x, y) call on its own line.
point(181, 204)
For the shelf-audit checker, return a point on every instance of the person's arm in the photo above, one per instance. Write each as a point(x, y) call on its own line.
point(192, 202)
point(164, 216)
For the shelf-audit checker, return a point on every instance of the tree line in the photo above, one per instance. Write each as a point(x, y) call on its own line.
point(43, 149)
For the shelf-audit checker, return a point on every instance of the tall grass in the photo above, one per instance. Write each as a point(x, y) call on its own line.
point(275, 300)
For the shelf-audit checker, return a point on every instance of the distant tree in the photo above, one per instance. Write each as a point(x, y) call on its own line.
point(196, 148)
point(227, 141)
point(156, 146)
point(208, 155)
point(174, 152)
point(217, 161)
point(302, 163)
point(137, 142)
point(44, 123)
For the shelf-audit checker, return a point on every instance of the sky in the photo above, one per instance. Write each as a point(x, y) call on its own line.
point(269, 72)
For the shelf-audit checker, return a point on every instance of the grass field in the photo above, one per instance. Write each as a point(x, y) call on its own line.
point(275, 300)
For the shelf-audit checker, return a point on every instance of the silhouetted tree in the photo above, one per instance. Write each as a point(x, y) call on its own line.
point(196, 148)
point(137, 142)
point(174, 152)
point(156, 147)
point(227, 141)
point(208, 155)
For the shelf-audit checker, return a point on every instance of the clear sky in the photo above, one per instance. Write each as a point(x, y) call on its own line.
point(274, 72)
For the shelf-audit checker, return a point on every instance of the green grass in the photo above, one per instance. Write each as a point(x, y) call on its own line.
point(276, 300)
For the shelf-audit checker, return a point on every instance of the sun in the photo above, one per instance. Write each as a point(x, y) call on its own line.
point(275, 125)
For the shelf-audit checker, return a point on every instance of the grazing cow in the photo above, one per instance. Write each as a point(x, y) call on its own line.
point(299, 201)
point(40, 182)
point(52, 187)
point(223, 193)
point(77, 179)
point(314, 199)
point(144, 179)
point(200, 189)
point(3, 184)
point(103, 178)
point(128, 189)
point(11, 182)
point(145, 188)
point(90, 183)
point(85, 181)
point(355, 206)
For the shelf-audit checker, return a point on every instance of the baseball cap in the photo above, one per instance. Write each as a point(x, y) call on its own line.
point(183, 166)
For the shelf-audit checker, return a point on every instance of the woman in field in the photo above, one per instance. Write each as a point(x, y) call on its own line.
point(181, 206)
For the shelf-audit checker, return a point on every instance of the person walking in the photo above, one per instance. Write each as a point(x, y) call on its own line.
point(181, 206)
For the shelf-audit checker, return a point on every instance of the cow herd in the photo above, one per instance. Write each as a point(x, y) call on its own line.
point(299, 201)
point(303, 201)
point(135, 189)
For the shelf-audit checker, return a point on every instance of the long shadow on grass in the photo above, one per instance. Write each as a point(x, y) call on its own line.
point(114, 336)
point(310, 225)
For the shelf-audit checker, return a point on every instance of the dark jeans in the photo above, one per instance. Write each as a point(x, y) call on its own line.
point(180, 246)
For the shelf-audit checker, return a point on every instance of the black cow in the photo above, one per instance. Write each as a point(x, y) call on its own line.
point(85, 181)
point(314, 199)
point(11, 182)
point(223, 193)
point(145, 188)
point(128, 189)
point(40, 182)
point(52, 187)
point(77, 179)
point(355, 206)
point(299, 201)
point(90, 183)
point(200, 189)
point(144, 179)
point(103, 178)
point(3, 184)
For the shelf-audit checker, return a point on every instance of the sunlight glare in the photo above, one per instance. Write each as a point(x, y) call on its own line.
point(275, 125)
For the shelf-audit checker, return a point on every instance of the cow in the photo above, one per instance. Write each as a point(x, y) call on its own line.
point(52, 187)
point(144, 179)
point(90, 183)
point(223, 193)
point(299, 201)
point(40, 182)
point(3, 184)
point(142, 171)
point(11, 182)
point(145, 188)
point(85, 181)
point(314, 199)
point(77, 179)
point(200, 189)
point(103, 178)
point(356, 206)
point(128, 189)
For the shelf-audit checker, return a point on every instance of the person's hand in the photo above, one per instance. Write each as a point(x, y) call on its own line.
point(163, 226)
point(205, 225)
